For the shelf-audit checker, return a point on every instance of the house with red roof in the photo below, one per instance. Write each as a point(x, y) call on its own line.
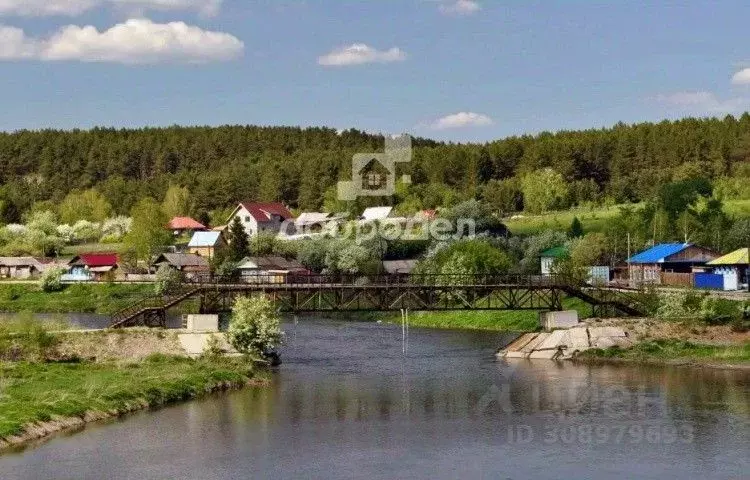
point(91, 266)
point(185, 225)
point(256, 217)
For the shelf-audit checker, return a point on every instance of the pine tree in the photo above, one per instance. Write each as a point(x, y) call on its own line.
point(239, 242)
point(576, 228)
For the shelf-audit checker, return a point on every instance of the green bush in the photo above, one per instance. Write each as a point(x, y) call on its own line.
point(255, 326)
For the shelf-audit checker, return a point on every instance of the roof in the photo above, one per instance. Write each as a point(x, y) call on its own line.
point(270, 263)
point(658, 253)
point(181, 260)
point(262, 212)
point(376, 213)
point(93, 260)
point(308, 218)
point(185, 223)
point(555, 252)
point(738, 257)
point(20, 262)
point(204, 239)
point(399, 266)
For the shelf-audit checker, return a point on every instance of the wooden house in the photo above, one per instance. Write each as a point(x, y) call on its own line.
point(206, 244)
point(21, 268)
point(185, 226)
point(88, 267)
point(668, 264)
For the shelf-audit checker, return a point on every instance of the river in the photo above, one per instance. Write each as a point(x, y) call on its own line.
point(348, 403)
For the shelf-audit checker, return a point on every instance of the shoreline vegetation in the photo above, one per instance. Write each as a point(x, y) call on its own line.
point(99, 298)
point(674, 352)
point(56, 381)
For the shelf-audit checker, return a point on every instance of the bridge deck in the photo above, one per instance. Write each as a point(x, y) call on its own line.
point(324, 293)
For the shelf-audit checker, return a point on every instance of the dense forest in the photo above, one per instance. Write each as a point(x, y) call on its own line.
point(221, 165)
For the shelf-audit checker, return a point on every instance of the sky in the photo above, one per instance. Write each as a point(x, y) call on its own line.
point(454, 70)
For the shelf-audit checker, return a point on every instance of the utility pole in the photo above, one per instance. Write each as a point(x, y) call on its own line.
point(630, 280)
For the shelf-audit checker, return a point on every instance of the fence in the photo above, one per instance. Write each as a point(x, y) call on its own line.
point(677, 279)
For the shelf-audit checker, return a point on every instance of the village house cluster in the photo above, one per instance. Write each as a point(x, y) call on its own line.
point(669, 264)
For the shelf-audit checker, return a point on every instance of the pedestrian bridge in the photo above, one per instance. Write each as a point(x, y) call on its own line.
point(382, 293)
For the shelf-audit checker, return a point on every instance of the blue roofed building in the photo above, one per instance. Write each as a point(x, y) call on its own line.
point(206, 244)
point(659, 263)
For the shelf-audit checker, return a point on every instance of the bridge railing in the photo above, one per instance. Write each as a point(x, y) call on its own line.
point(347, 280)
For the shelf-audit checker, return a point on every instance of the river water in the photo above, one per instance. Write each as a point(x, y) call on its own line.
point(348, 403)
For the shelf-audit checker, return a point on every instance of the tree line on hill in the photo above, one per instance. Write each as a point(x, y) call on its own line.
point(300, 167)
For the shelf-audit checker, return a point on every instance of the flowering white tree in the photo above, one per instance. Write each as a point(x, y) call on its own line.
point(255, 325)
point(85, 231)
point(116, 227)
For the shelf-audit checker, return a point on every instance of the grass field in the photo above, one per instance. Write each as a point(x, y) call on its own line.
point(39, 392)
point(594, 219)
point(513, 320)
point(104, 298)
point(680, 350)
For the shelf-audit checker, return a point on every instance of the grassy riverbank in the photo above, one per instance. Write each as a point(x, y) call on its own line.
point(42, 397)
point(103, 298)
point(52, 380)
point(513, 320)
point(675, 351)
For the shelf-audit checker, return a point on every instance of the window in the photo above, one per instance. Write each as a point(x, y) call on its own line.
point(247, 219)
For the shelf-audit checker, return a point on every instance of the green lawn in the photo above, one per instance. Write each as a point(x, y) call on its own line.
point(512, 320)
point(104, 298)
point(676, 350)
point(593, 219)
point(34, 392)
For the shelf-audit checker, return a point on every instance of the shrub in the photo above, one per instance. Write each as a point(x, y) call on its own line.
point(255, 326)
point(167, 280)
point(51, 280)
point(212, 348)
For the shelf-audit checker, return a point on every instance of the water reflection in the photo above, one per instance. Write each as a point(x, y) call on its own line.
point(348, 404)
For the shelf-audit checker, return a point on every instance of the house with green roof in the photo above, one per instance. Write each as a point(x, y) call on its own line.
point(548, 258)
point(598, 274)
point(734, 267)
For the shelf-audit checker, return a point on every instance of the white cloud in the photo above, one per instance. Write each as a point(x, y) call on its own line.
point(461, 120)
point(137, 41)
point(36, 8)
point(459, 7)
point(14, 44)
point(702, 102)
point(360, 54)
point(742, 77)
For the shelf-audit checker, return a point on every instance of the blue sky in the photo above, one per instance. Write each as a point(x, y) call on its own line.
point(461, 70)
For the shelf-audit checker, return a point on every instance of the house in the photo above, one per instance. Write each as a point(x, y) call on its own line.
point(734, 268)
point(269, 269)
point(376, 213)
point(668, 263)
point(399, 267)
point(597, 274)
point(21, 268)
point(205, 244)
point(263, 217)
point(186, 263)
point(185, 225)
point(548, 258)
point(317, 222)
point(91, 266)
